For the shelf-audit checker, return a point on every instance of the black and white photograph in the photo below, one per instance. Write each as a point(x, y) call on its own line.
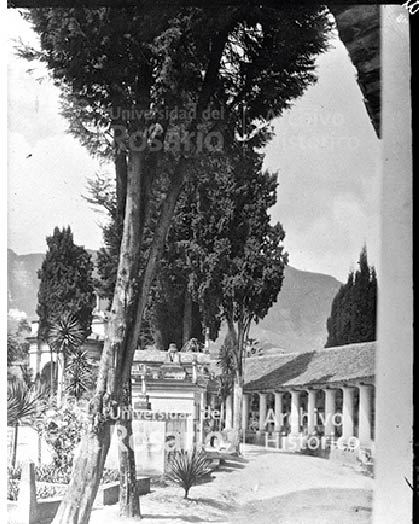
point(209, 262)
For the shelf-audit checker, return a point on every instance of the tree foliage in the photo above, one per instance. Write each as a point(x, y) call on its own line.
point(66, 286)
point(235, 256)
point(353, 316)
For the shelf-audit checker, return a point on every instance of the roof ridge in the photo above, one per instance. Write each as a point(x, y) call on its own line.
point(344, 346)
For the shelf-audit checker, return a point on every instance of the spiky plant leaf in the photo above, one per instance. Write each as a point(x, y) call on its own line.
point(22, 401)
point(78, 372)
point(186, 468)
point(66, 334)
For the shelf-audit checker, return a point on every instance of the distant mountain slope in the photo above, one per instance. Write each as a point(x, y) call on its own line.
point(23, 281)
point(296, 322)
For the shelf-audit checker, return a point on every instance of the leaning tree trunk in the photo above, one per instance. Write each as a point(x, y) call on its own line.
point(162, 228)
point(128, 496)
point(77, 503)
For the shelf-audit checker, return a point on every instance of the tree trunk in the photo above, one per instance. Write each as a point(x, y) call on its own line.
point(222, 413)
point(14, 448)
point(237, 409)
point(159, 238)
point(238, 384)
point(51, 371)
point(77, 503)
point(39, 449)
point(187, 318)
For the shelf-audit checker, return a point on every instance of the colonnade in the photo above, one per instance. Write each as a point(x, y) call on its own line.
point(328, 417)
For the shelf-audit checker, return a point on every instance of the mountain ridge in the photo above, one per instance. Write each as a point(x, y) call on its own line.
point(296, 321)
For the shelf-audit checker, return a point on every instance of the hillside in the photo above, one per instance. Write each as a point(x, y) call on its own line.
point(296, 322)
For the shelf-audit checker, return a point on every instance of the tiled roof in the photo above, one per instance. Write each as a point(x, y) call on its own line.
point(338, 364)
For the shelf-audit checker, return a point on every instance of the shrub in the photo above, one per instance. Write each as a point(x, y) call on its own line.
point(50, 473)
point(186, 468)
point(42, 492)
point(46, 492)
point(62, 430)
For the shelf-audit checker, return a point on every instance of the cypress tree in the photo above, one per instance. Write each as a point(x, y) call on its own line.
point(66, 283)
point(354, 308)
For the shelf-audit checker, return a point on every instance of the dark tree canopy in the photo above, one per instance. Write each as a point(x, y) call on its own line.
point(353, 316)
point(66, 285)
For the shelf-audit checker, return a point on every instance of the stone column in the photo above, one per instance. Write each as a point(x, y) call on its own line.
point(278, 411)
point(295, 415)
point(329, 411)
point(365, 415)
point(262, 411)
point(311, 414)
point(245, 411)
point(229, 412)
point(348, 413)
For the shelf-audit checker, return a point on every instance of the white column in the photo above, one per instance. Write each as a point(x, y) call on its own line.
point(348, 413)
point(295, 415)
point(262, 411)
point(311, 404)
point(245, 411)
point(278, 411)
point(229, 412)
point(365, 415)
point(394, 387)
point(329, 411)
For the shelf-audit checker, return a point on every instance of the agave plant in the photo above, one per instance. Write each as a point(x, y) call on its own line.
point(78, 374)
point(186, 468)
point(23, 403)
point(65, 337)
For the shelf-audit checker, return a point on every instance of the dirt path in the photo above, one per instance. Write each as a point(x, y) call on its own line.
point(264, 487)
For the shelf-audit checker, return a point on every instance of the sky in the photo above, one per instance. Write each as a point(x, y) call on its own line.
point(325, 151)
